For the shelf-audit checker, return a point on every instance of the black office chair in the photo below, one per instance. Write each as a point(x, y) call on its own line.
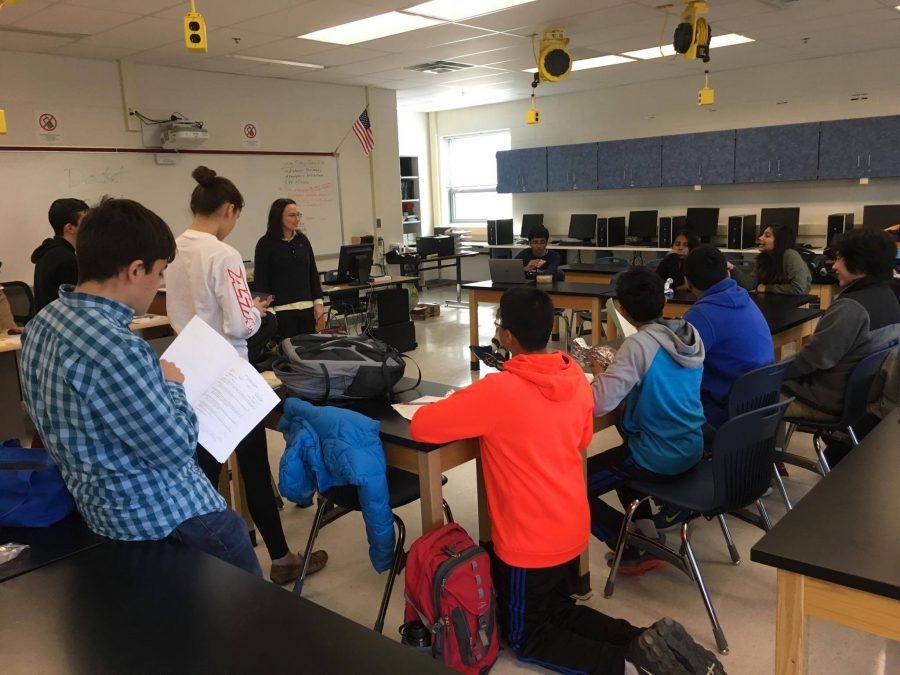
point(403, 489)
point(737, 475)
point(856, 397)
point(757, 389)
point(21, 300)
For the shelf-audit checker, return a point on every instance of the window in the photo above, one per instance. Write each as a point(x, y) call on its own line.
point(471, 185)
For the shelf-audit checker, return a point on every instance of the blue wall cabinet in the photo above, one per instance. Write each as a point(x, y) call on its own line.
point(862, 147)
point(779, 153)
point(572, 167)
point(522, 170)
point(698, 159)
point(629, 163)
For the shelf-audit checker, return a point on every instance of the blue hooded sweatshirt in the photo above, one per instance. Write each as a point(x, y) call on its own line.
point(736, 338)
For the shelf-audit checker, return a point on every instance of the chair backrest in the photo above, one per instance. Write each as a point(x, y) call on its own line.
point(856, 394)
point(654, 264)
point(757, 388)
point(742, 456)
point(618, 262)
point(624, 328)
point(21, 300)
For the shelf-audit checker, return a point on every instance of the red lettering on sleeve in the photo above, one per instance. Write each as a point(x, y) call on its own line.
point(243, 297)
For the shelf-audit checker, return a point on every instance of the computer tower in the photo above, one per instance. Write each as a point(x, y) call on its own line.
point(440, 245)
point(615, 231)
point(499, 232)
point(741, 231)
point(664, 233)
point(602, 231)
point(392, 306)
point(401, 336)
point(679, 223)
point(838, 223)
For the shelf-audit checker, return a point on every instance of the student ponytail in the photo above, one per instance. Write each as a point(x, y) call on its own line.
point(212, 192)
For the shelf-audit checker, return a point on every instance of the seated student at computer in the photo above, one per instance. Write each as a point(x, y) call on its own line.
point(285, 267)
point(537, 542)
point(113, 417)
point(863, 319)
point(672, 266)
point(54, 260)
point(657, 374)
point(779, 268)
point(736, 338)
point(538, 259)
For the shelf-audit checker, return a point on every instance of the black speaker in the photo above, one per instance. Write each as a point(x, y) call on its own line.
point(664, 233)
point(741, 231)
point(602, 232)
point(838, 223)
point(392, 305)
point(401, 336)
point(499, 232)
point(616, 231)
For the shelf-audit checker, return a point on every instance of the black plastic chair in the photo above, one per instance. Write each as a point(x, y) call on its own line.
point(856, 397)
point(21, 300)
point(757, 389)
point(737, 475)
point(654, 264)
point(403, 489)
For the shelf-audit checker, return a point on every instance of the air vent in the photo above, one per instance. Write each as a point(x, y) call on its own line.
point(439, 67)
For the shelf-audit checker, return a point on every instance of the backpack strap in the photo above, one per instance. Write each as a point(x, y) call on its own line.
point(418, 378)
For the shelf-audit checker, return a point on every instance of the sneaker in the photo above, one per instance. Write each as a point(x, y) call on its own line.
point(782, 469)
point(636, 563)
point(487, 356)
point(669, 517)
point(694, 657)
point(652, 656)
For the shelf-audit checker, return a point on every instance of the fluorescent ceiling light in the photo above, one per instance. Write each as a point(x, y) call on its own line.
point(278, 61)
point(668, 50)
point(599, 62)
point(455, 10)
point(596, 62)
point(378, 26)
point(728, 40)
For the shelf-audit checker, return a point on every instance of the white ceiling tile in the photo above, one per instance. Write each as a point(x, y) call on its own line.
point(545, 13)
point(229, 12)
point(145, 33)
point(286, 48)
point(143, 7)
point(309, 17)
point(382, 63)
point(12, 13)
point(24, 42)
point(345, 55)
point(63, 18)
point(83, 51)
point(432, 36)
point(232, 40)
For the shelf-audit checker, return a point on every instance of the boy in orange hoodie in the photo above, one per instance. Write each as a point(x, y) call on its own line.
point(536, 499)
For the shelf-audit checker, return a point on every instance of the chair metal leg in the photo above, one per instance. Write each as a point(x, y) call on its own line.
point(788, 435)
point(317, 525)
point(396, 565)
point(781, 488)
point(448, 514)
point(732, 549)
point(764, 515)
point(853, 435)
point(721, 643)
point(824, 469)
point(620, 547)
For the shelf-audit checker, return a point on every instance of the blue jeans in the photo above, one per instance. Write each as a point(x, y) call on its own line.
point(222, 534)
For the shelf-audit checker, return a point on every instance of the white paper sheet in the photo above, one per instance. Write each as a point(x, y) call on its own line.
point(229, 396)
point(407, 410)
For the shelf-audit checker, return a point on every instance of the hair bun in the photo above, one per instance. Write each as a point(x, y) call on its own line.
point(204, 175)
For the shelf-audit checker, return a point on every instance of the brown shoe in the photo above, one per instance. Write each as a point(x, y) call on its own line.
point(283, 574)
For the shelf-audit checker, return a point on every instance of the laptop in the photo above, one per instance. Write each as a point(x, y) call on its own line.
point(507, 271)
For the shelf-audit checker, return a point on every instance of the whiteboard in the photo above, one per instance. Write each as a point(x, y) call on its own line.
point(32, 180)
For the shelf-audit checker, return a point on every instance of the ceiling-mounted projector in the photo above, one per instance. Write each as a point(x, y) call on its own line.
point(182, 135)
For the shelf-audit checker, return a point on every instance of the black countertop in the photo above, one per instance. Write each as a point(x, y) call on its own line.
point(46, 544)
point(596, 268)
point(846, 529)
point(163, 608)
point(556, 288)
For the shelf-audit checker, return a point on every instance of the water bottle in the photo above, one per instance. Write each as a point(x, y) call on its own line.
point(415, 634)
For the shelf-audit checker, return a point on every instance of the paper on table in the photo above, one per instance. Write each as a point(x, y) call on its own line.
point(407, 410)
point(229, 396)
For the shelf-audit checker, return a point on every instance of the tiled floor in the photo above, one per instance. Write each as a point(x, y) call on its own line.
point(744, 595)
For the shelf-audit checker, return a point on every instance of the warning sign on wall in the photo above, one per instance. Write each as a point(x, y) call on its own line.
point(250, 134)
point(47, 126)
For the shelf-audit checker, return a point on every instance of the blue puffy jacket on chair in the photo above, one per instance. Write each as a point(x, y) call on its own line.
point(328, 447)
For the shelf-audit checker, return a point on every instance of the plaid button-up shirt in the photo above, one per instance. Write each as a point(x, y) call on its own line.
point(123, 437)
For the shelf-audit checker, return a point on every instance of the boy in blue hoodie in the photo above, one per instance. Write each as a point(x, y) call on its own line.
point(657, 374)
point(735, 334)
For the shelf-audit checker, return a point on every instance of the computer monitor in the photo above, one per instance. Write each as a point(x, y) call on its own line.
point(530, 221)
point(643, 224)
point(583, 226)
point(880, 216)
point(704, 222)
point(355, 263)
point(780, 217)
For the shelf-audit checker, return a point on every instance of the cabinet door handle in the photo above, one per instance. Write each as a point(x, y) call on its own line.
point(624, 169)
point(869, 160)
point(857, 161)
point(700, 171)
point(770, 166)
point(778, 168)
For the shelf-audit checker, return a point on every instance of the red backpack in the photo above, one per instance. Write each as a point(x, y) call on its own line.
point(449, 589)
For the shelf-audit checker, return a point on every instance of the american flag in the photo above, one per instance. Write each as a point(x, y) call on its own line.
point(363, 130)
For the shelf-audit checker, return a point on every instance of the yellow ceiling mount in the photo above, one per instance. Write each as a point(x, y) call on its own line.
point(554, 61)
point(693, 34)
point(194, 30)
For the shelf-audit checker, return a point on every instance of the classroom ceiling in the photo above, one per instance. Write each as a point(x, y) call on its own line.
point(496, 45)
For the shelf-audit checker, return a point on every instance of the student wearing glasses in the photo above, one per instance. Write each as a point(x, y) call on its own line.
point(285, 267)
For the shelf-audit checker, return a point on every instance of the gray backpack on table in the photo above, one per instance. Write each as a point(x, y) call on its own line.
point(323, 368)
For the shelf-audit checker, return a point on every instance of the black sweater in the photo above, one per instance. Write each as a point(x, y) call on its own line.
point(54, 264)
point(286, 269)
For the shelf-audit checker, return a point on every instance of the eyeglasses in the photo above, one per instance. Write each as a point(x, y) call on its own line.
point(498, 323)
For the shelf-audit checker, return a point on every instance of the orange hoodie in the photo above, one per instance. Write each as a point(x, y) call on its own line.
point(532, 420)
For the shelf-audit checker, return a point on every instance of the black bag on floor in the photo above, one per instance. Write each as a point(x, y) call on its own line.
point(327, 368)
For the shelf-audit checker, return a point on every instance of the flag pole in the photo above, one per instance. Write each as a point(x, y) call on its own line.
point(372, 185)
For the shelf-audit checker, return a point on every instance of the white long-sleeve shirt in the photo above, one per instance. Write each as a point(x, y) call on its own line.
point(208, 279)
